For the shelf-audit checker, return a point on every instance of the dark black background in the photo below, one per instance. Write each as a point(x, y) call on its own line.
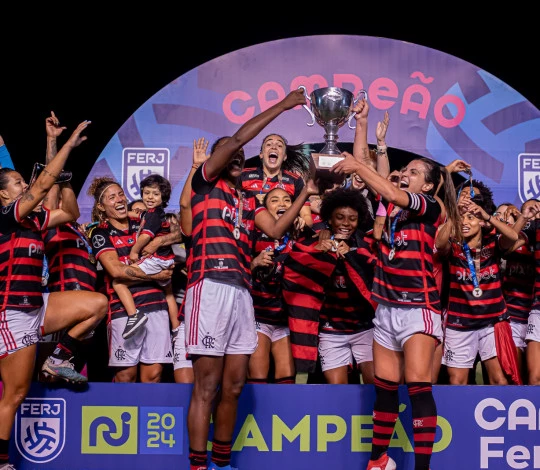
point(93, 65)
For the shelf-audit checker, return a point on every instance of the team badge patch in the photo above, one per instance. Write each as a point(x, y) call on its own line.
point(529, 176)
point(40, 429)
point(138, 163)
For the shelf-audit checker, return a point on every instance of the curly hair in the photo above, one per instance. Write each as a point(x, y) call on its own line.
point(345, 197)
point(162, 183)
point(484, 199)
point(96, 189)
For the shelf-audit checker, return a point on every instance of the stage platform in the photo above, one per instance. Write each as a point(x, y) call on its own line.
point(108, 426)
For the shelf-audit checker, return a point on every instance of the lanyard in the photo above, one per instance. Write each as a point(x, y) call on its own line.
point(266, 186)
point(283, 245)
point(392, 233)
point(91, 257)
point(471, 191)
point(238, 216)
point(45, 273)
point(477, 292)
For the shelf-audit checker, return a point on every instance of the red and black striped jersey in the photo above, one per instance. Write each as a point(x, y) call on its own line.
point(21, 258)
point(147, 296)
point(465, 311)
point(255, 185)
point(154, 223)
point(345, 310)
point(219, 212)
point(306, 274)
point(318, 223)
point(407, 280)
point(70, 260)
point(532, 232)
point(266, 290)
point(518, 283)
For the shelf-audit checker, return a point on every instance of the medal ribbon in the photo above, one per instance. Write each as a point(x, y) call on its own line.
point(283, 245)
point(265, 179)
point(393, 229)
point(83, 238)
point(470, 262)
point(238, 212)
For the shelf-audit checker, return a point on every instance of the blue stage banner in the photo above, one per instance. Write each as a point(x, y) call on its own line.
point(143, 427)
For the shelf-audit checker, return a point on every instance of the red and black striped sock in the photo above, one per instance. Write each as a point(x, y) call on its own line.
point(424, 415)
point(257, 381)
point(4, 451)
point(197, 459)
point(285, 380)
point(221, 452)
point(385, 415)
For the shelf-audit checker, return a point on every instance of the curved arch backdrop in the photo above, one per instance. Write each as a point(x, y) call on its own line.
point(440, 107)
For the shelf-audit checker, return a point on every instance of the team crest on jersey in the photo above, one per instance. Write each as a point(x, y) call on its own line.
point(529, 176)
point(138, 163)
point(40, 429)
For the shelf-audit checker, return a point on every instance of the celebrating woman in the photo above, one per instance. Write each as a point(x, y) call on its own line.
point(26, 313)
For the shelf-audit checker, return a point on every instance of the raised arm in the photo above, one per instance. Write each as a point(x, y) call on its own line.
point(44, 182)
point(69, 211)
point(222, 153)
point(123, 272)
point(199, 157)
point(53, 131)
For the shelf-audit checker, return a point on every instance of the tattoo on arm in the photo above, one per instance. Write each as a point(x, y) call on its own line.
point(135, 274)
point(27, 197)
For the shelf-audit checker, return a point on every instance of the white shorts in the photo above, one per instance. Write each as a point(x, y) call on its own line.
point(462, 347)
point(19, 329)
point(153, 265)
point(533, 327)
point(393, 326)
point(338, 350)
point(151, 344)
point(180, 360)
point(519, 330)
point(274, 332)
point(219, 319)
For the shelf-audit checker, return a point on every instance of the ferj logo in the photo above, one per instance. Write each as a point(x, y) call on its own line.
point(132, 430)
point(40, 428)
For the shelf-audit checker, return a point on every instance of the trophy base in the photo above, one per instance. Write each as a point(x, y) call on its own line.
point(324, 163)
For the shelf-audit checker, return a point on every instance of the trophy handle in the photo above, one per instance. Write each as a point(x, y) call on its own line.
point(364, 92)
point(305, 106)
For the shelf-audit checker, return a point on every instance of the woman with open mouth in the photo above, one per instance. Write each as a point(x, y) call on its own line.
point(407, 324)
point(270, 313)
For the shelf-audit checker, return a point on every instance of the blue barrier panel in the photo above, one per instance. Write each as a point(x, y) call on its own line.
point(143, 426)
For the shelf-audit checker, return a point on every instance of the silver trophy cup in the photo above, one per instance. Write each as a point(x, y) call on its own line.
point(331, 107)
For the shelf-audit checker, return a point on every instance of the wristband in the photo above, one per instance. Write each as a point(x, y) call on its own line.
point(381, 149)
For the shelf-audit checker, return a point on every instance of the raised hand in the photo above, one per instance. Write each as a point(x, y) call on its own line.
point(76, 138)
point(382, 127)
point(52, 126)
point(199, 151)
point(346, 166)
point(361, 108)
point(294, 98)
point(457, 166)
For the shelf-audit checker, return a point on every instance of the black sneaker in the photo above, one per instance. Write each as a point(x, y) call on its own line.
point(135, 321)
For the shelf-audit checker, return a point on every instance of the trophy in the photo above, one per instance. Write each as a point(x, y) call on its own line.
point(331, 107)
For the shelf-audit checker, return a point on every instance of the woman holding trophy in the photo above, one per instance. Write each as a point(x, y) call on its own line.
point(407, 324)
